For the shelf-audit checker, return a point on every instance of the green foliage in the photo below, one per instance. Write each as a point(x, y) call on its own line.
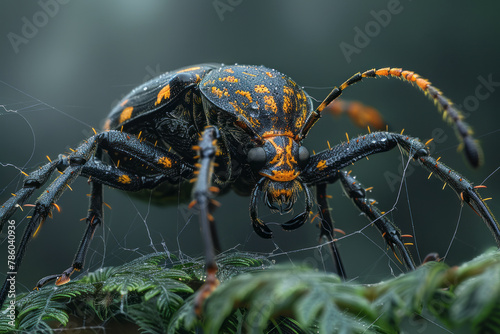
point(256, 297)
point(36, 311)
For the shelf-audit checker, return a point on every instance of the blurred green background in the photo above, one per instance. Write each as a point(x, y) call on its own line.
point(64, 66)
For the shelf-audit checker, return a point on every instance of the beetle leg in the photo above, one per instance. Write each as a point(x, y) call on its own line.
point(355, 191)
point(111, 176)
point(323, 166)
point(326, 228)
point(42, 209)
point(94, 219)
point(202, 201)
point(168, 164)
point(465, 190)
point(31, 182)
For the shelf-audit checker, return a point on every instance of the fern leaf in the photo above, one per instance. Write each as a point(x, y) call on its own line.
point(156, 294)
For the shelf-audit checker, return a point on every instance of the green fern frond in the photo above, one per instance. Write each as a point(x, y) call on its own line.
point(312, 298)
point(477, 301)
point(35, 310)
point(408, 294)
point(157, 295)
point(148, 317)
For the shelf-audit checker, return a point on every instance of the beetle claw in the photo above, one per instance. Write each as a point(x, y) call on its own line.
point(262, 230)
point(300, 219)
point(258, 225)
point(296, 222)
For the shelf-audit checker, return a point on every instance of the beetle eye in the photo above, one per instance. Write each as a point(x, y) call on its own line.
point(256, 157)
point(303, 155)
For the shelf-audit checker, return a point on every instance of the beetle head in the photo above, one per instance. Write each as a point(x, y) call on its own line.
point(278, 161)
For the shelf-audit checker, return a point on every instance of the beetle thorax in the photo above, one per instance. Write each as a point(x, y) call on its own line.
point(261, 98)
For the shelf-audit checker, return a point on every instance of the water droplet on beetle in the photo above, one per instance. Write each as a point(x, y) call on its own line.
point(254, 109)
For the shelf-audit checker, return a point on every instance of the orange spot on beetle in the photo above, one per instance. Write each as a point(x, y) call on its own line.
point(245, 94)
point(163, 94)
point(321, 165)
point(126, 114)
point(125, 179)
point(254, 121)
point(237, 108)
point(261, 89)
point(282, 175)
point(270, 104)
point(287, 104)
point(189, 69)
point(283, 155)
point(287, 90)
point(300, 121)
point(229, 78)
point(165, 162)
point(216, 91)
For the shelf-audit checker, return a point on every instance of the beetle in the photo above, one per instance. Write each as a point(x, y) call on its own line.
point(215, 128)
